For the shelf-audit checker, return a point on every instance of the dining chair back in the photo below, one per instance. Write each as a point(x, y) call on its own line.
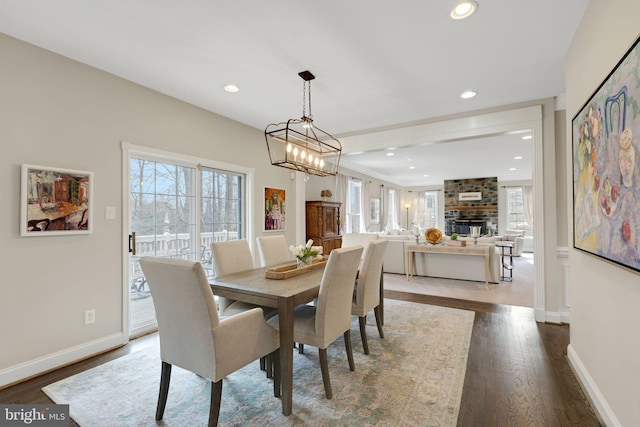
point(229, 257)
point(333, 308)
point(321, 324)
point(193, 337)
point(367, 291)
point(273, 250)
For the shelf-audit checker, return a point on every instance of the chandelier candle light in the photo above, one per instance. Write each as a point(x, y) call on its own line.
point(299, 145)
point(306, 253)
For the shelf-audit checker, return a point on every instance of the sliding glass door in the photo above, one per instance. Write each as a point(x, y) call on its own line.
point(177, 206)
point(162, 220)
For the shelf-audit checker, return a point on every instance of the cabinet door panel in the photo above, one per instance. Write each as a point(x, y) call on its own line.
point(330, 223)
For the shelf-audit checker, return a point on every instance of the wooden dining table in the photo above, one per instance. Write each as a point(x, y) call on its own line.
point(252, 286)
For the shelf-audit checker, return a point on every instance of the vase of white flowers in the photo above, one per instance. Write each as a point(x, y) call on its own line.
point(305, 253)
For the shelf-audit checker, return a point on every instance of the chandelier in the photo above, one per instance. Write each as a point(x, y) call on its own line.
point(299, 145)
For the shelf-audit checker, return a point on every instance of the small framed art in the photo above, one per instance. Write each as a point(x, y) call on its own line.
point(55, 201)
point(275, 200)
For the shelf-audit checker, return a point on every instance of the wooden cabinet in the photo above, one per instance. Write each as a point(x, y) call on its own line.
point(323, 225)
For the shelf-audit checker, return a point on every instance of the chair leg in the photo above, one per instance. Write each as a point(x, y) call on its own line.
point(363, 334)
point(324, 367)
point(269, 365)
point(263, 363)
point(277, 387)
point(377, 310)
point(165, 378)
point(300, 348)
point(347, 344)
point(381, 306)
point(214, 407)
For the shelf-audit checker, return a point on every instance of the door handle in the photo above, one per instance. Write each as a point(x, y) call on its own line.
point(132, 243)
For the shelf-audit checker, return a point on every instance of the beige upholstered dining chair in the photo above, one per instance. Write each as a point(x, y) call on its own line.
point(229, 257)
point(367, 292)
point(323, 323)
point(193, 337)
point(273, 250)
point(234, 256)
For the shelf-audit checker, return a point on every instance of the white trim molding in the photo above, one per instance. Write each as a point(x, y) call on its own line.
point(52, 361)
point(593, 392)
point(562, 315)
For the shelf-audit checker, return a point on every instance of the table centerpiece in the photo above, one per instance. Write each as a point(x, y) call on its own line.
point(305, 253)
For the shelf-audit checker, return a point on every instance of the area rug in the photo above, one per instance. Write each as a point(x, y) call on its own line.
point(412, 377)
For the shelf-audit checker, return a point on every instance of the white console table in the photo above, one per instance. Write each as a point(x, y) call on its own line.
point(474, 250)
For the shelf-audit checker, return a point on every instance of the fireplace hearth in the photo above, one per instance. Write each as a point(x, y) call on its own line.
point(462, 227)
point(462, 213)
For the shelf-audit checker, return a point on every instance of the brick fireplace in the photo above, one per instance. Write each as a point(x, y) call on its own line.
point(470, 202)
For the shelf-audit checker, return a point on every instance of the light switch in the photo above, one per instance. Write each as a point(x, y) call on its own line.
point(110, 212)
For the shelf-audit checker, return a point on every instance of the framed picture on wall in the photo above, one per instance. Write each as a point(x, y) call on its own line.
point(606, 179)
point(55, 201)
point(275, 202)
point(374, 205)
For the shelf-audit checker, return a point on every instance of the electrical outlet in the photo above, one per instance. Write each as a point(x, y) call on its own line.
point(89, 317)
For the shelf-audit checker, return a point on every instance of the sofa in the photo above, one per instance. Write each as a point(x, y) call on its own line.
point(449, 266)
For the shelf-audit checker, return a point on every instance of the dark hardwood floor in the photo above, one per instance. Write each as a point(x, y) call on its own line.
point(517, 371)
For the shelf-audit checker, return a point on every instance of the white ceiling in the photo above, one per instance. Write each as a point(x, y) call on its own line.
point(376, 63)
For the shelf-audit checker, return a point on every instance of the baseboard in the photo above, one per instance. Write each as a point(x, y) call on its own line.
point(557, 317)
point(597, 399)
point(61, 358)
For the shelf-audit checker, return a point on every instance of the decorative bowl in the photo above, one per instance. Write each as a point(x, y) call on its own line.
point(433, 235)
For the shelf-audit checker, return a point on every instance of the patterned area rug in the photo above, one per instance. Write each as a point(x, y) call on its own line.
point(412, 377)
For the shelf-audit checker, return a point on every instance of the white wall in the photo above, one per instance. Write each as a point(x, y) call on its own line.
point(605, 299)
point(316, 184)
point(57, 112)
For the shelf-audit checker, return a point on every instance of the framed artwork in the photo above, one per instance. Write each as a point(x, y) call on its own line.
point(374, 211)
point(606, 154)
point(275, 200)
point(55, 201)
point(475, 195)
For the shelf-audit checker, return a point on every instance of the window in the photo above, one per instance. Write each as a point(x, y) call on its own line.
point(516, 217)
point(221, 205)
point(354, 206)
point(430, 216)
point(392, 216)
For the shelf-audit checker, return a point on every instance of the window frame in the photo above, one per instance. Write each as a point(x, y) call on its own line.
point(352, 185)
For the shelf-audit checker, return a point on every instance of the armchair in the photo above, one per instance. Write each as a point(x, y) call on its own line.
point(517, 237)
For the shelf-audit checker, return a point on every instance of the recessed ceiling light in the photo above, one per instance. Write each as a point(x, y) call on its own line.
point(412, 167)
point(468, 94)
point(231, 88)
point(527, 137)
point(517, 158)
point(391, 154)
point(464, 9)
point(512, 169)
point(424, 176)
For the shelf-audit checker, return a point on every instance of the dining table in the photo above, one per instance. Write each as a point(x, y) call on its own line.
point(252, 286)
